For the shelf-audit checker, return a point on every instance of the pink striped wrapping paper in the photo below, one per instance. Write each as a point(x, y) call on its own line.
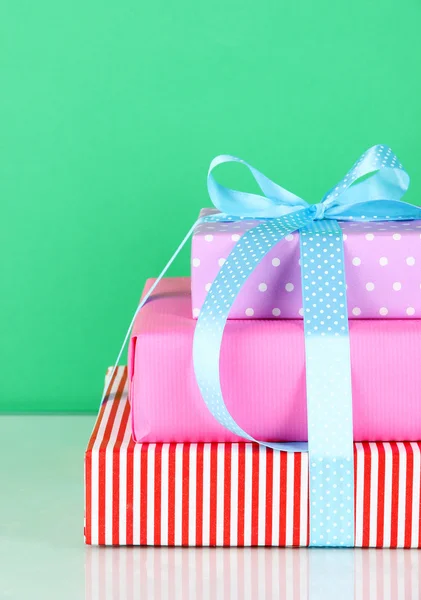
point(263, 376)
point(232, 494)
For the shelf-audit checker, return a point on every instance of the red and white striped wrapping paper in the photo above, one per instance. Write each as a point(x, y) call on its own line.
point(211, 494)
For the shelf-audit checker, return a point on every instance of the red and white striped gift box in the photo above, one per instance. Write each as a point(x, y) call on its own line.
point(233, 494)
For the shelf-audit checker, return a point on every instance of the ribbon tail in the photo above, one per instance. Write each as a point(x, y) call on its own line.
point(244, 258)
point(110, 376)
point(329, 391)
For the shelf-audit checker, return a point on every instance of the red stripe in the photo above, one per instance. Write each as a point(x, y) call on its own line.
point(395, 495)
point(88, 466)
point(88, 477)
point(185, 496)
point(101, 458)
point(199, 495)
point(143, 493)
point(380, 495)
point(308, 501)
point(269, 496)
point(129, 493)
point(241, 492)
point(101, 498)
point(157, 490)
point(379, 571)
point(94, 433)
point(297, 570)
point(393, 582)
point(296, 523)
point(409, 492)
point(255, 495)
point(88, 497)
point(227, 495)
point(419, 516)
point(213, 493)
point(283, 499)
point(366, 496)
point(171, 494)
point(355, 488)
point(116, 475)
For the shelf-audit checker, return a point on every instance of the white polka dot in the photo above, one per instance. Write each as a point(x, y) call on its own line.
point(249, 312)
point(196, 262)
point(209, 237)
point(356, 311)
point(383, 261)
point(276, 262)
point(221, 261)
point(356, 261)
point(410, 311)
point(383, 311)
point(345, 237)
point(196, 312)
point(369, 286)
point(289, 237)
point(262, 287)
point(397, 286)
point(276, 312)
point(369, 237)
point(208, 287)
point(301, 311)
point(396, 236)
point(410, 261)
point(235, 237)
point(289, 287)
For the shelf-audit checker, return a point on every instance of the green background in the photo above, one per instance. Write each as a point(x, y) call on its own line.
point(110, 114)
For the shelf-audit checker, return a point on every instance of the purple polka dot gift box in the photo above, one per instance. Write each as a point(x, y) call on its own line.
point(382, 270)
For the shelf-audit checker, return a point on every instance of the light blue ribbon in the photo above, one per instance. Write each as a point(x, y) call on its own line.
point(370, 191)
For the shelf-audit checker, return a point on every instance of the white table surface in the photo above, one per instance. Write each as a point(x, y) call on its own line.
point(42, 552)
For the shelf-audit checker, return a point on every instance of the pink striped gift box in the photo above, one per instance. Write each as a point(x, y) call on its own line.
point(232, 494)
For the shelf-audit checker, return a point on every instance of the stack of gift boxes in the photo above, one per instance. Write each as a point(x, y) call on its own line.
point(161, 470)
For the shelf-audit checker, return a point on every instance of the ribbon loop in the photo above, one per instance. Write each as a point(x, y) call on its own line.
point(371, 190)
point(276, 202)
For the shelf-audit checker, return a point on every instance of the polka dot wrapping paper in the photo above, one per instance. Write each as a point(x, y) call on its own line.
point(382, 268)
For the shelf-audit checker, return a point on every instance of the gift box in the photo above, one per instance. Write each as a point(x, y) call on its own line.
point(381, 260)
point(263, 376)
point(233, 494)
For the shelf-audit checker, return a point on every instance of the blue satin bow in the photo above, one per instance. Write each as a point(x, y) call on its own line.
point(328, 372)
point(375, 198)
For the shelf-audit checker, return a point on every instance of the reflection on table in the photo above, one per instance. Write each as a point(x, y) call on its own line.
point(296, 574)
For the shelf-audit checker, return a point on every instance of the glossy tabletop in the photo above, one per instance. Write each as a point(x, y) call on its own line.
point(42, 552)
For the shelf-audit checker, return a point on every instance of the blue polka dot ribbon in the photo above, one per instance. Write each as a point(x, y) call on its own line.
point(370, 191)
